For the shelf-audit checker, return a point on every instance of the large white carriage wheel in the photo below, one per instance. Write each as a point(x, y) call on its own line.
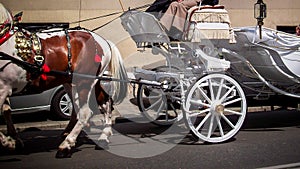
point(215, 108)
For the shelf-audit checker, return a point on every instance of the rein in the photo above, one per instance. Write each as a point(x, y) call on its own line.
point(107, 15)
point(35, 69)
point(39, 67)
point(105, 78)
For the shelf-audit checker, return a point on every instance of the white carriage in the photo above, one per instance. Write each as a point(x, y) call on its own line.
point(206, 73)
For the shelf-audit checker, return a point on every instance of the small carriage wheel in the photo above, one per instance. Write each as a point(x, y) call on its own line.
point(215, 108)
point(157, 105)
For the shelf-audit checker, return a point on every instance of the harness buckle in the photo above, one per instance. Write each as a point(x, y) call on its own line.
point(39, 60)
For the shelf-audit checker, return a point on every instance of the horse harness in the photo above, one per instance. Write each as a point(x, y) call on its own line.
point(29, 46)
point(29, 49)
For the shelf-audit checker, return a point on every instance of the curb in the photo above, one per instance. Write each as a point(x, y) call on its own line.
point(40, 125)
point(47, 124)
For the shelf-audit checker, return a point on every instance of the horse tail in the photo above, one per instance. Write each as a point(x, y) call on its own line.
point(118, 71)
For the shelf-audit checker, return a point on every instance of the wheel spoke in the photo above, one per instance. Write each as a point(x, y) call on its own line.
point(227, 93)
point(193, 114)
point(204, 95)
point(159, 109)
point(227, 120)
point(212, 94)
point(65, 103)
point(154, 97)
point(154, 104)
point(65, 109)
point(67, 98)
point(232, 101)
point(203, 121)
point(211, 124)
point(199, 102)
point(233, 112)
point(220, 89)
point(220, 126)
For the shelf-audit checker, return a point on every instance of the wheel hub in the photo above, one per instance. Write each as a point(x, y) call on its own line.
point(219, 109)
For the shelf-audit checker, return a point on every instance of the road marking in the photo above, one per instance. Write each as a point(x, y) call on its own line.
point(290, 166)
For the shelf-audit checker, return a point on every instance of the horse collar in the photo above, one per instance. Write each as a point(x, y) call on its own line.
point(29, 46)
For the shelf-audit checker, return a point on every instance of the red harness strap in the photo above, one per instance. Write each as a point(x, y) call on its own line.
point(5, 37)
point(45, 69)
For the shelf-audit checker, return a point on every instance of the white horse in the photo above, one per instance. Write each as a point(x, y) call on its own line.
point(69, 57)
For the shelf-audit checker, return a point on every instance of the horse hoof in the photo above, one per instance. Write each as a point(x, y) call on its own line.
point(63, 153)
point(101, 145)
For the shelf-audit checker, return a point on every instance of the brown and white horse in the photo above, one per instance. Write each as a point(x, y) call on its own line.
point(69, 57)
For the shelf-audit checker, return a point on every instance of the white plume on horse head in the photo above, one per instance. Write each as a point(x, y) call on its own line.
point(4, 15)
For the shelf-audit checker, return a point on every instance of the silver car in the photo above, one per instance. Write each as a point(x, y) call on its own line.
point(54, 100)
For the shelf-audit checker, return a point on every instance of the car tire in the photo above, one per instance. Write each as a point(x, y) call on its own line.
point(61, 106)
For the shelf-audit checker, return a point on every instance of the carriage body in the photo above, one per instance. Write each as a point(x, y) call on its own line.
point(207, 72)
point(264, 67)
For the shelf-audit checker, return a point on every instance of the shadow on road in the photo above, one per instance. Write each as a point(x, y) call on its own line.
point(37, 140)
point(271, 120)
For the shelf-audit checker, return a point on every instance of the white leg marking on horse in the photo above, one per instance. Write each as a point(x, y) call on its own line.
point(83, 117)
point(107, 131)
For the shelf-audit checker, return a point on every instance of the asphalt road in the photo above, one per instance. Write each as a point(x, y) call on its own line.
point(267, 139)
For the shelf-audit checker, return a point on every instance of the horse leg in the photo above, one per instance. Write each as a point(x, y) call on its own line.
point(71, 124)
point(73, 119)
point(8, 141)
point(64, 149)
point(13, 140)
point(82, 98)
point(103, 140)
point(11, 130)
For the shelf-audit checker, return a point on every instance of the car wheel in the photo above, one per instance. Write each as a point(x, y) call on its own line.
point(61, 105)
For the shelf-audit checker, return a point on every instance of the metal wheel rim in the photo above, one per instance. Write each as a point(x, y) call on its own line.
point(65, 105)
point(216, 113)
